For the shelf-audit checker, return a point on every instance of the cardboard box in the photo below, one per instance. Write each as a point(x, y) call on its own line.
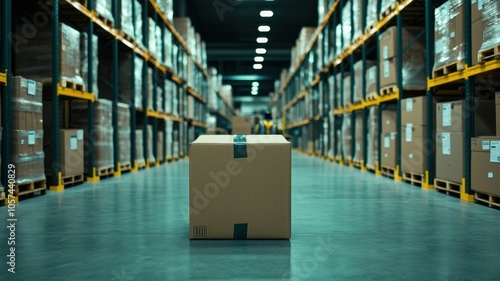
point(485, 165)
point(497, 110)
point(388, 42)
point(389, 118)
point(359, 147)
point(413, 152)
point(456, 30)
point(245, 192)
point(450, 117)
point(414, 111)
point(347, 137)
point(413, 71)
point(371, 80)
point(389, 145)
point(72, 156)
point(242, 125)
point(450, 156)
point(160, 150)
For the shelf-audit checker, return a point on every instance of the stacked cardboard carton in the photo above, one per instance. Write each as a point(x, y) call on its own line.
point(372, 138)
point(160, 148)
point(169, 138)
point(72, 152)
point(450, 119)
point(485, 166)
point(102, 136)
point(477, 28)
point(139, 148)
point(127, 17)
point(347, 137)
point(242, 125)
point(138, 23)
point(346, 27)
point(124, 134)
point(359, 147)
point(414, 77)
point(371, 81)
point(389, 138)
point(491, 23)
point(126, 75)
point(449, 33)
point(149, 145)
point(84, 62)
point(346, 90)
point(358, 79)
point(103, 8)
point(27, 130)
point(34, 59)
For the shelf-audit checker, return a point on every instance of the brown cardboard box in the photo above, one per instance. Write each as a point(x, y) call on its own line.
point(347, 137)
point(371, 80)
point(359, 148)
point(389, 117)
point(413, 152)
point(497, 110)
point(388, 48)
point(389, 145)
point(72, 156)
point(485, 166)
point(450, 156)
point(477, 10)
point(414, 111)
point(450, 117)
point(160, 147)
point(456, 30)
point(245, 192)
point(477, 28)
point(242, 125)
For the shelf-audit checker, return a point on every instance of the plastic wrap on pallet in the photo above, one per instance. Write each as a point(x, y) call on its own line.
point(384, 5)
point(331, 135)
point(150, 87)
point(29, 168)
point(414, 76)
point(358, 141)
point(372, 145)
point(138, 23)
point(347, 137)
point(102, 137)
point(347, 90)
point(357, 7)
point(124, 133)
point(338, 40)
point(371, 80)
point(152, 36)
point(169, 137)
point(346, 25)
point(159, 146)
point(159, 100)
point(456, 31)
point(34, 59)
point(84, 62)
point(150, 154)
point(371, 13)
point(441, 35)
point(127, 17)
point(159, 43)
point(491, 24)
point(167, 50)
point(103, 8)
point(322, 6)
point(139, 65)
point(139, 147)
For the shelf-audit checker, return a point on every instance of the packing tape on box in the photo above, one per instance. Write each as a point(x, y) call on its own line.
point(240, 146)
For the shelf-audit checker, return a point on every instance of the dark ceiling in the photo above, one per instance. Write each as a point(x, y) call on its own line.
point(229, 27)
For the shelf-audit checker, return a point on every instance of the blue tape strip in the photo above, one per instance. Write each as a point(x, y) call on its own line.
point(240, 146)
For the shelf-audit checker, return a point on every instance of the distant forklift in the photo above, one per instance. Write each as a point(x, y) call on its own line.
point(266, 127)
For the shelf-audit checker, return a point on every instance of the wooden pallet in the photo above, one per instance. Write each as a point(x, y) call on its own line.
point(370, 27)
point(30, 188)
point(447, 187)
point(141, 164)
point(413, 178)
point(106, 172)
point(389, 10)
point(492, 201)
point(105, 20)
point(371, 97)
point(448, 68)
point(389, 172)
point(370, 167)
point(125, 167)
point(387, 90)
point(72, 85)
point(357, 163)
point(488, 54)
point(127, 37)
point(69, 180)
point(358, 102)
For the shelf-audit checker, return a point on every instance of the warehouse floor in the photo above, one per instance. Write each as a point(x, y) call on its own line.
point(347, 225)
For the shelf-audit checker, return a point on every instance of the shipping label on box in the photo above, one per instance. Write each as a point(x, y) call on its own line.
point(446, 143)
point(495, 152)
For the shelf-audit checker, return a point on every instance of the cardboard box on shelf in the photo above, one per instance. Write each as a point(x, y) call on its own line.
point(347, 137)
point(413, 149)
point(242, 125)
point(358, 149)
point(160, 150)
point(450, 117)
point(227, 199)
point(72, 156)
point(388, 42)
point(389, 117)
point(414, 111)
point(450, 156)
point(485, 165)
point(456, 29)
point(389, 145)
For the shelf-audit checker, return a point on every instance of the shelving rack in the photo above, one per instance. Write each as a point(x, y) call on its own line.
point(362, 48)
point(82, 16)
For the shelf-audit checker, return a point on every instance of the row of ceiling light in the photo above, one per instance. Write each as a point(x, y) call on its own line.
point(259, 59)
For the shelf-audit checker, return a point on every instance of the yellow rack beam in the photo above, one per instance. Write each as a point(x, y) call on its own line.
point(464, 74)
point(67, 92)
point(3, 78)
point(199, 124)
point(299, 124)
point(193, 93)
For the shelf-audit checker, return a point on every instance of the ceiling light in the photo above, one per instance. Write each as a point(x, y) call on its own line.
point(255, 84)
point(259, 59)
point(255, 93)
point(257, 66)
point(260, 51)
point(255, 88)
point(264, 28)
point(262, 40)
point(266, 14)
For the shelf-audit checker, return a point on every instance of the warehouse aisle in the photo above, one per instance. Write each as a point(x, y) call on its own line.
point(347, 225)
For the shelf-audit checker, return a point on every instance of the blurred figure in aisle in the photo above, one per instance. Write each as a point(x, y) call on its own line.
point(267, 126)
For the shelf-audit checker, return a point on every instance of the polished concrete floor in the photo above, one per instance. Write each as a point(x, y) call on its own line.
point(347, 225)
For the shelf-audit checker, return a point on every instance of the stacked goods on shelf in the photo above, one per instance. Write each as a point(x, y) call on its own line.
point(127, 17)
point(485, 165)
point(358, 149)
point(167, 8)
point(177, 103)
point(191, 107)
point(138, 23)
point(149, 145)
point(127, 74)
point(491, 24)
point(414, 77)
point(305, 36)
point(72, 151)
point(385, 5)
point(194, 43)
point(175, 143)
point(170, 97)
point(103, 8)
point(150, 88)
point(159, 146)
point(34, 59)
point(183, 138)
point(372, 138)
point(449, 35)
point(102, 137)
point(211, 125)
point(371, 13)
point(124, 134)
point(389, 138)
point(450, 133)
point(139, 145)
point(152, 45)
point(227, 92)
point(346, 90)
point(358, 80)
point(371, 81)
point(414, 135)
point(322, 10)
point(213, 87)
point(84, 62)
point(169, 138)
point(167, 49)
point(346, 26)
point(338, 40)
point(27, 130)
point(477, 27)
point(357, 16)
point(242, 125)
point(159, 99)
point(325, 140)
point(347, 137)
